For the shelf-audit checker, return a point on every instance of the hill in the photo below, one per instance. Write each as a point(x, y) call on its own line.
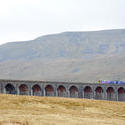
point(68, 56)
point(29, 110)
point(66, 45)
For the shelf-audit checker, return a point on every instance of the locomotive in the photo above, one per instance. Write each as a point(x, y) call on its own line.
point(110, 82)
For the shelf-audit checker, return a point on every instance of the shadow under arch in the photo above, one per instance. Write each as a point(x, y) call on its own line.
point(88, 92)
point(10, 89)
point(61, 90)
point(36, 89)
point(23, 89)
point(73, 92)
point(121, 94)
point(99, 94)
point(110, 93)
point(49, 90)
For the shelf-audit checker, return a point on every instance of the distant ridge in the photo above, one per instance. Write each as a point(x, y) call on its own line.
point(68, 56)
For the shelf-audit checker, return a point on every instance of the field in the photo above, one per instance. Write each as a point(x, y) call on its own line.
point(29, 110)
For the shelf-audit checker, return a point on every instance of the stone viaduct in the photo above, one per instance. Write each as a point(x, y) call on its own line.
point(113, 92)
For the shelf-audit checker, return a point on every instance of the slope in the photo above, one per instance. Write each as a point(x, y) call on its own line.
point(26, 110)
point(68, 56)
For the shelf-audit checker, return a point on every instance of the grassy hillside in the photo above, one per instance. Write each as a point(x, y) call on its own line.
point(27, 110)
point(66, 45)
point(77, 70)
point(68, 56)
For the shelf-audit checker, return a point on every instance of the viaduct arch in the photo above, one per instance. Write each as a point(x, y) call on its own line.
point(112, 92)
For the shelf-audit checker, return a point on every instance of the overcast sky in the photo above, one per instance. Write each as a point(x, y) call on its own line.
point(28, 19)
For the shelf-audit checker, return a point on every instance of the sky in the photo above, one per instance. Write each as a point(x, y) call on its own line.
point(22, 20)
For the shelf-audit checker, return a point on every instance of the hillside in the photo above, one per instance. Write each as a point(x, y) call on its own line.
point(28, 110)
point(68, 56)
point(66, 45)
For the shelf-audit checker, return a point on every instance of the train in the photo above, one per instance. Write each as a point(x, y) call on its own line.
point(110, 82)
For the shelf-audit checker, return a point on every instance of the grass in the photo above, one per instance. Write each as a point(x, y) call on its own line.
point(29, 110)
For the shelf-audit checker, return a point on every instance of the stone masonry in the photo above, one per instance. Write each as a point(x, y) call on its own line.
point(113, 92)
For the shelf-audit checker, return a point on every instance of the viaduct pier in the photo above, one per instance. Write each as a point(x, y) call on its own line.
point(113, 92)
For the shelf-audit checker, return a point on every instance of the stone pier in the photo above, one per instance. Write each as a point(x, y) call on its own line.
point(112, 92)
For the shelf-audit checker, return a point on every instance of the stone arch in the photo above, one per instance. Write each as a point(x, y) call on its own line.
point(23, 89)
point(10, 89)
point(88, 92)
point(121, 94)
point(110, 93)
point(49, 90)
point(73, 92)
point(36, 89)
point(99, 94)
point(61, 90)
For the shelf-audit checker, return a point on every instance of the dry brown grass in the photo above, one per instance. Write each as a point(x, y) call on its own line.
point(29, 110)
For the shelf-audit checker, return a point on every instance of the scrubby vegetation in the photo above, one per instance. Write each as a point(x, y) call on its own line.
point(29, 110)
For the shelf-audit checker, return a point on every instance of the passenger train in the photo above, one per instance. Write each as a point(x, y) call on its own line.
point(110, 82)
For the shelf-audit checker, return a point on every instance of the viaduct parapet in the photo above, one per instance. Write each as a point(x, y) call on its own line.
point(111, 92)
